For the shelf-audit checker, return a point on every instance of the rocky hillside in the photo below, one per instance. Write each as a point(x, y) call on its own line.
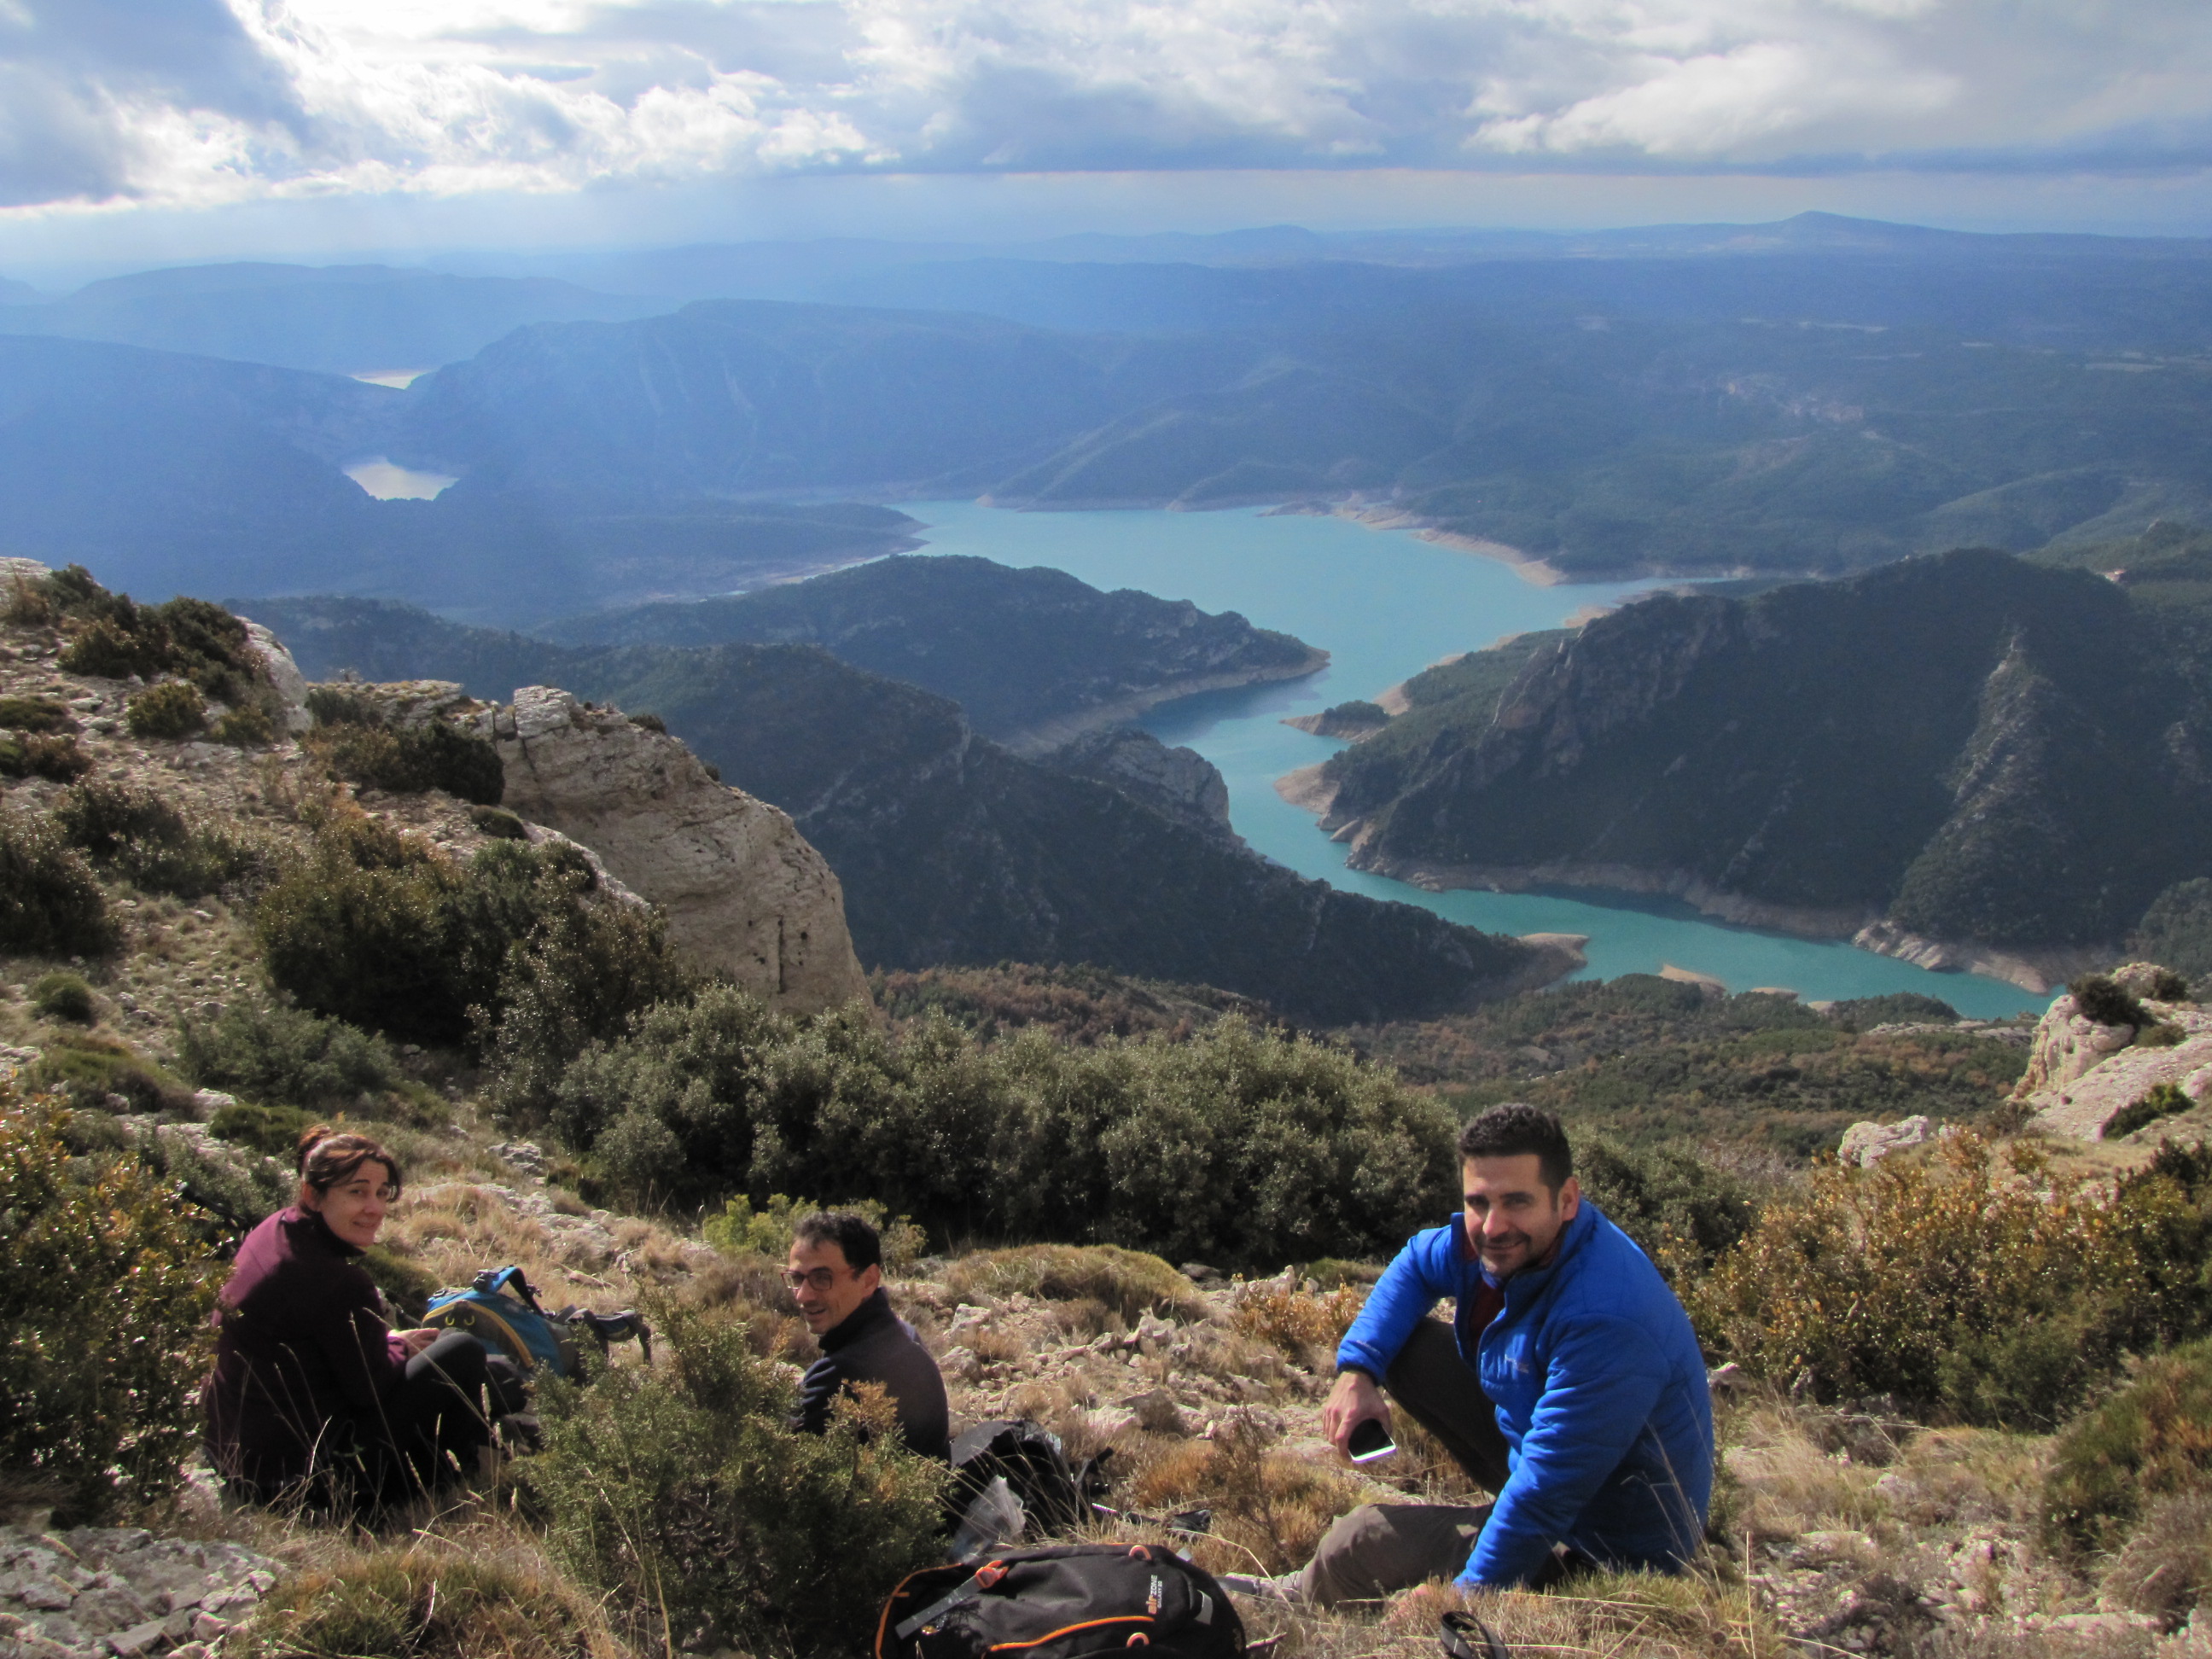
point(950, 848)
point(1961, 747)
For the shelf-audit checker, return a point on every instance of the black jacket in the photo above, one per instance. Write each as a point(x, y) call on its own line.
point(874, 1344)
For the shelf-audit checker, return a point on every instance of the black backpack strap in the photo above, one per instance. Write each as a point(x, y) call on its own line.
point(1463, 1636)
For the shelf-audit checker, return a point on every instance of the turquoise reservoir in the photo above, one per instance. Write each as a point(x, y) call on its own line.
point(1385, 604)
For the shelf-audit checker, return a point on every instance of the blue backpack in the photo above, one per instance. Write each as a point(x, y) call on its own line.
point(500, 1309)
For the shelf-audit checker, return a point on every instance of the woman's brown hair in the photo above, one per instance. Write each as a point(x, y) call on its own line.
point(326, 1157)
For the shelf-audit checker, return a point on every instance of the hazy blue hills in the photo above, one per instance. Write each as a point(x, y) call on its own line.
point(1977, 748)
point(1815, 397)
point(950, 848)
point(734, 397)
point(170, 472)
point(1023, 653)
point(346, 319)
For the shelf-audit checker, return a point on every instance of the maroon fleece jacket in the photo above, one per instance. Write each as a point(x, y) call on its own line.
point(304, 1354)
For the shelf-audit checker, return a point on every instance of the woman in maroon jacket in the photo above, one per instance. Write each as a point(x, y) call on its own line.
point(315, 1395)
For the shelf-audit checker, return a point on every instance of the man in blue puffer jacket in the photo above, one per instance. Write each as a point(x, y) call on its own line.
point(1575, 1389)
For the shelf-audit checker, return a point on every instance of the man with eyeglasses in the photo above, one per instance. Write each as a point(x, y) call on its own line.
point(836, 1276)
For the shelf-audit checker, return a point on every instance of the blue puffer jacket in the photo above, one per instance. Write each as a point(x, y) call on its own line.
point(1600, 1389)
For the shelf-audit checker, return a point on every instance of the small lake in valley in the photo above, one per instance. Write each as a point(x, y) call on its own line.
point(1385, 604)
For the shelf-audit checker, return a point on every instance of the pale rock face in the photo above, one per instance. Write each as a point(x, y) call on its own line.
point(1866, 1145)
point(291, 684)
point(2080, 1074)
point(743, 891)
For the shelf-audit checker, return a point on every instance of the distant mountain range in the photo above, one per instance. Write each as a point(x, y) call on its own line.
point(951, 849)
point(1817, 396)
point(1964, 746)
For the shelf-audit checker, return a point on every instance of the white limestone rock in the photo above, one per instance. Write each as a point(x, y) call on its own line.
point(283, 673)
point(2081, 1074)
point(1866, 1144)
point(743, 891)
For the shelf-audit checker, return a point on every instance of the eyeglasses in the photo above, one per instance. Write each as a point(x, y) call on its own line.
point(387, 1193)
point(820, 1278)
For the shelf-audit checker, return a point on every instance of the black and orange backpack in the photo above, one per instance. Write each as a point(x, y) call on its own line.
point(1071, 1602)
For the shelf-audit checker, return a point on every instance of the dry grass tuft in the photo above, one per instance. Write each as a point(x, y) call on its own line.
point(1304, 1325)
point(1791, 1484)
point(481, 1590)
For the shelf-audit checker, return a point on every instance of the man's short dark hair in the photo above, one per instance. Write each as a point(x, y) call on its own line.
point(1514, 1129)
point(850, 1233)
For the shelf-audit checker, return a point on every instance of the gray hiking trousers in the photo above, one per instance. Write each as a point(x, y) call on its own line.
point(1380, 1548)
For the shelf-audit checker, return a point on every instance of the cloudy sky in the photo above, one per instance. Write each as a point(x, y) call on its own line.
point(123, 118)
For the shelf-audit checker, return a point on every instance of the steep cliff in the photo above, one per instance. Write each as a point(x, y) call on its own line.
point(743, 892)
point(1965, 746)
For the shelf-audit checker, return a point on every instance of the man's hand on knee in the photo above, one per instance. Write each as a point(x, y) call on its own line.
point(1353, 1400)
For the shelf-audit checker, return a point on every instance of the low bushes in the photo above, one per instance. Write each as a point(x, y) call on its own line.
point(50, 903)
point(2160, 1100)
point(1683, 1211)
point(379, 930)
point(681, 1492)
point(742, 1229)
point(63, 996)
point(278, 1054)
point(137, 835)
point(1234, 1146)
point(173, 708)
point(94, 1073)
point(2151, 1440)
point(31, 756)
point(1957, 1284)
point(104, 1293)
point(358, 742)
point(113, 637)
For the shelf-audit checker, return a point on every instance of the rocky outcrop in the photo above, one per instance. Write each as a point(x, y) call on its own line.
point(744, 892)
point(1866, 1144)
point(283, 673)
point(116, 1592)
point(1179, 784)
point(2081, 1074)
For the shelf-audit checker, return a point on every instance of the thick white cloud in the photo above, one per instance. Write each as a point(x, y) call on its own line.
point(200, 101)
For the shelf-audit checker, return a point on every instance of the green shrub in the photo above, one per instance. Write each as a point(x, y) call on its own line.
point(276, 1054)
point(136, 835)
point(1130, 1282)
point(105, 1294)
point(498, 823)
point(1958, 1285)
point(2163, 1100)
point(2152, 1438)
point(87, 1070)
point(174, 709)
point(42, 714)
point(247, 726)
point(33, 756)
point(2164, 1568)
point(271, 1131)
point(357, 743)
point(742, 1229)
point(51, 904)
point(113, 637)
point(1233, 1145)
point(63, 996)
point(2105, 1000)
point(236, 1187)
point(1683, 1211)
point(1896, 1007)
point(682, 1491)
point(378, 929)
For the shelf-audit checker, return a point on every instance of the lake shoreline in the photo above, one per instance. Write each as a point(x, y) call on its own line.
point(1536, 571)
point(2037, 971)
point(1048, 735)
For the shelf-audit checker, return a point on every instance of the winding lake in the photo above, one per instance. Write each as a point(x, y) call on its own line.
point(1385, 604)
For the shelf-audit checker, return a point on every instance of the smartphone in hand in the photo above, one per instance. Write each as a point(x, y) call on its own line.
point(1370, 1441)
